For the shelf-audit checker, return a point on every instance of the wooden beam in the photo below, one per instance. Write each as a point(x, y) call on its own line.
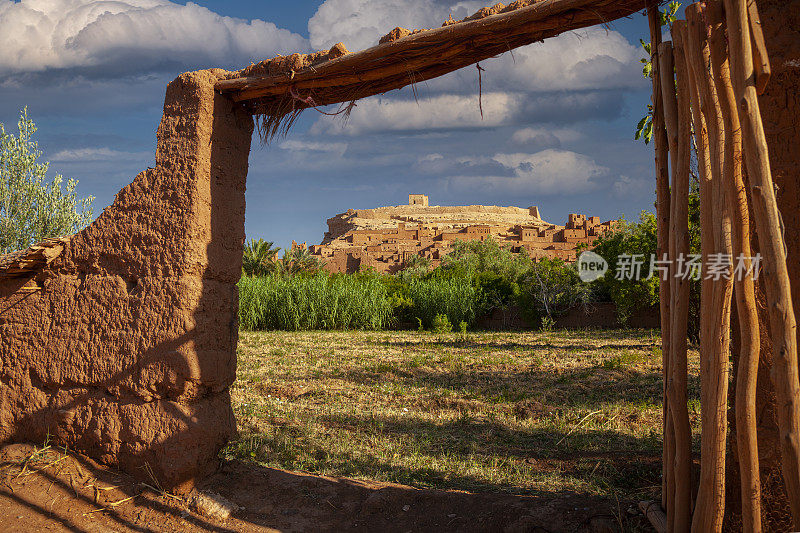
point(431, 53)
point(716, 294)
point(655, 514)
point(670, 101)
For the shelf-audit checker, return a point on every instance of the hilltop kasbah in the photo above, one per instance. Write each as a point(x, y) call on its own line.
point(387, 238)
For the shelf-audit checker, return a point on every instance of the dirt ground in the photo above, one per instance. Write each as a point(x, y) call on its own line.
point(45, 489)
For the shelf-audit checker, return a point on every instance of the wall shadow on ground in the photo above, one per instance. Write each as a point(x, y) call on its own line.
point(273, 499)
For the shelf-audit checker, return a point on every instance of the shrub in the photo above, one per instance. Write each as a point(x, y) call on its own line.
point(640, 237)
point(628, 295)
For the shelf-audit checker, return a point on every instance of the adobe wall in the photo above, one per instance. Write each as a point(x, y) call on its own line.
point(127, 350)
point(780, 111)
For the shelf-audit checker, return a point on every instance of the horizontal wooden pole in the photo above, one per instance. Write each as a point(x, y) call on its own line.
point(431, 53)
point(655, 514)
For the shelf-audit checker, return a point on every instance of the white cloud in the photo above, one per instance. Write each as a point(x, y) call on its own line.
point(128, 36)
point(546, 172)
point(589, 59)
point(361, 23)
point(458, 111)
point(99, 154)
point(438, 112)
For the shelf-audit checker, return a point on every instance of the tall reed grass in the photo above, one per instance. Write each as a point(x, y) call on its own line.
point(311, 302)
point(454, 296)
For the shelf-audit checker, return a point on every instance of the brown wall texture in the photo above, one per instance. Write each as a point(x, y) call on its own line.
point(780, 110)
point(127, 349)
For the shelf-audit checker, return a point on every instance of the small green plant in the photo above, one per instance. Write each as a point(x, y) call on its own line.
point(462, 331)
point(548, 323)
point(420, 327)
point(614, 363)
point(441, 324)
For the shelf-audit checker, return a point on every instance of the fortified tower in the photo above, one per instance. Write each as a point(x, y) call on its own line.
point(418, 199)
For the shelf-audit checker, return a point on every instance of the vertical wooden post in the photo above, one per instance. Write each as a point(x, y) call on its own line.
point(662, 218)
point(715, 307)
point(746, 432)
point(772, 245)
point(669, 99)
point(679, 245)
point(680, 302)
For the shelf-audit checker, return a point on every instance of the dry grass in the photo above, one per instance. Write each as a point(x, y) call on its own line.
point(517, 412)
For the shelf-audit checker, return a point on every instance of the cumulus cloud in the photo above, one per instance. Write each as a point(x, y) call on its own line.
point(547, 172)
point(98, 154)
point(361, 23)
point(457, 111)
point(115, 37)
point(471, 165)
point(438, 112)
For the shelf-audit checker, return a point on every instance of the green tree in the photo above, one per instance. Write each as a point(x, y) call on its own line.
point(632, 239)
point(640, 239)
point(552, 287)
point(473, 257)
point(31, 208)
point(259, 257)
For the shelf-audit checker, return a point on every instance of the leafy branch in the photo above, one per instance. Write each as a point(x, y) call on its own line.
point(644, 129)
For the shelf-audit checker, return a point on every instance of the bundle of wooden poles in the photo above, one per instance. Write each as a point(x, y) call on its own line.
point(705, 87)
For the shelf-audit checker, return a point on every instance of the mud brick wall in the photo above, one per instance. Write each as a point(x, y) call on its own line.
point(780, 111)
point(126, 348)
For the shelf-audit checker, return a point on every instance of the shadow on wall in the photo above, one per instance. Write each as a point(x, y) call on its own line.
point(127, 350)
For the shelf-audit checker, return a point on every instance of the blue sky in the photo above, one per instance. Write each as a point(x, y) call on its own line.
point(557, 130)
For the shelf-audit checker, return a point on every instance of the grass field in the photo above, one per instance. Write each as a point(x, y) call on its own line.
point(527, 413)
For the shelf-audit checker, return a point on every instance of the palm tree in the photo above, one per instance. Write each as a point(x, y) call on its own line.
point(299, 260)
point(259, 257)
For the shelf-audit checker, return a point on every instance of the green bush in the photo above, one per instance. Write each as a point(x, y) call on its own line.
point(632, 296)
point(313, 301)
point(259, 258)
